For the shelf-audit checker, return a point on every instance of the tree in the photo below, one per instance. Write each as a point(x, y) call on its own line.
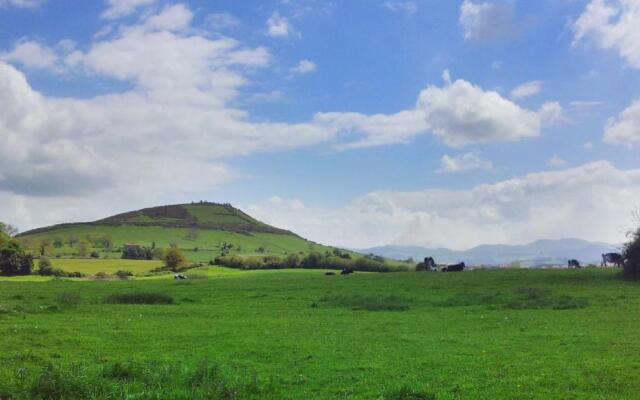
point(13, 259)
point(83, 248)
point(631, 255)
point(8, 229)
point(174, 258)
point(44, 247)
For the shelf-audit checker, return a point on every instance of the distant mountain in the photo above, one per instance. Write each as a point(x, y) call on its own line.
point(540, 252)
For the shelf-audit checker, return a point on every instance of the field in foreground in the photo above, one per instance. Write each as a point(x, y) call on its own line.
point(297, 334)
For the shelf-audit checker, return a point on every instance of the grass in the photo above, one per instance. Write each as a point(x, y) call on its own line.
point(110, 266)
point(139, 298)
point(505, 334)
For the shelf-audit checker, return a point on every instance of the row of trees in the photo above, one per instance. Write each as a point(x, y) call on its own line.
point(312, 260)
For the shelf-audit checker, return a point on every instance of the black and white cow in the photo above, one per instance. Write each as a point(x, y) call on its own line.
point(454, 268)
point(613, 258)
point(179, 276)
point(430, 264)
point(573, 263)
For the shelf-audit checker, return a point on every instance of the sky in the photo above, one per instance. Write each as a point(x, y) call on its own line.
point(353, 123)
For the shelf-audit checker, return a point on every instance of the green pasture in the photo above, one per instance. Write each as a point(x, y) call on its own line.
point(298, 334)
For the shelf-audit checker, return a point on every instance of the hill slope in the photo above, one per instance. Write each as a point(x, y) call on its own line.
point(200, 229)
point(539, 252)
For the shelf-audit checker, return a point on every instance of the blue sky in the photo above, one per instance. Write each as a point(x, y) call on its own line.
point(354, 123)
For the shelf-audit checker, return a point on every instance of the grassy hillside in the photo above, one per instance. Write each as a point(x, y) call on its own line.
point(200, 229)
point(297, 334)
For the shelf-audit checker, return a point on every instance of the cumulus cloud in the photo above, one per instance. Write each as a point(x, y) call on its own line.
point(487, 20)
point(219, 21)
point(556, 162)
point(625, 128)
point(122, 8)
point(459, 113)
point(21, 3)
point(303, 67)
point(179, 108)
point(464, 162)
point(407, 6)
point(611, 24)
point(278, 26)
point(31, 54)
point(550, 204)
point(527, 89)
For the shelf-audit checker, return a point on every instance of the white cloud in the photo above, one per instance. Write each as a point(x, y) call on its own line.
point(278, 26)
point(459, 113)
point(406, 6)
point(587, 145)
point(464, 162)
point(555, 204)
point(22, 3)
point(303, 67)
point(556, 162)
point(31, 54)
point(625, 128)
point(122, 8)
point(487, 20)
point(612, 24)
point(220, 21)
point(181, 107)
point(527, 89)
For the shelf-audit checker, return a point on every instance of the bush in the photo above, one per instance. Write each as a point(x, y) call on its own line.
point(13, 258)
point(94, 254)
point(124, 274)
point(139, 298)
point(631, 254)
point(101, 275)
point(174, 259)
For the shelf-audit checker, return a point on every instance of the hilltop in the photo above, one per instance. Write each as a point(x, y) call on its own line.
point(200, 229)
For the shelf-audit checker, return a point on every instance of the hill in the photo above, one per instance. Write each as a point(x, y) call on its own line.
point(540, 252)
point(200, 229)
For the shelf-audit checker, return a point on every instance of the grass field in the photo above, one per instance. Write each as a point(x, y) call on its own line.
point(298, 334)
point(110, 266)
point(207, 241)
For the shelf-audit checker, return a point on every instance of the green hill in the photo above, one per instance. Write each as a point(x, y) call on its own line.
point(200, 229)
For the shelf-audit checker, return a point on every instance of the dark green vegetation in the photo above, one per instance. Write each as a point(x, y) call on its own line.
point(631, 255)
point(201, 231)
point(14, 260)
point(298, 334)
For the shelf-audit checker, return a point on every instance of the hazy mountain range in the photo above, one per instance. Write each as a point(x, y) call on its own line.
point(540, 252)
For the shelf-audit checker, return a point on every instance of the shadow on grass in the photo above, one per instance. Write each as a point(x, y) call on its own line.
point(517, 299)
point(366, 302)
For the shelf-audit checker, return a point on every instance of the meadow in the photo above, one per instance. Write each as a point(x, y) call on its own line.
point(298, 334)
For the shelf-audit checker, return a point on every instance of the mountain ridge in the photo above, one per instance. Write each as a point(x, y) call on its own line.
point(538, 252)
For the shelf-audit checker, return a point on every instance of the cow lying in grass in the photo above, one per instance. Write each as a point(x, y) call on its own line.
point(346, 271)
point(454, 268)
point(180, 276)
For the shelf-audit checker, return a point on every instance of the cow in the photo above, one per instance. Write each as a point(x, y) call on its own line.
point(454, 268)
point(613, 258)
point(179, 276)
point(430, 264)
point(346, 271)
point(573, 263)
point(329, 273)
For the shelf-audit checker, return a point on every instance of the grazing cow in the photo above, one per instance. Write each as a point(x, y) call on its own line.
point(613, 258)
point(454, 268)
point(346, 271)
point(573, 263)
point(430, 264)
point(179, 276)
point(329, 273)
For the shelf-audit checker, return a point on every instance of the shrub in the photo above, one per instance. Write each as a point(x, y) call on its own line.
point(631, 254)
point(101, 275)
point(139, 298)
point(124, 274)
point(174, 259)
point(13, 258)
point(94, 254)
